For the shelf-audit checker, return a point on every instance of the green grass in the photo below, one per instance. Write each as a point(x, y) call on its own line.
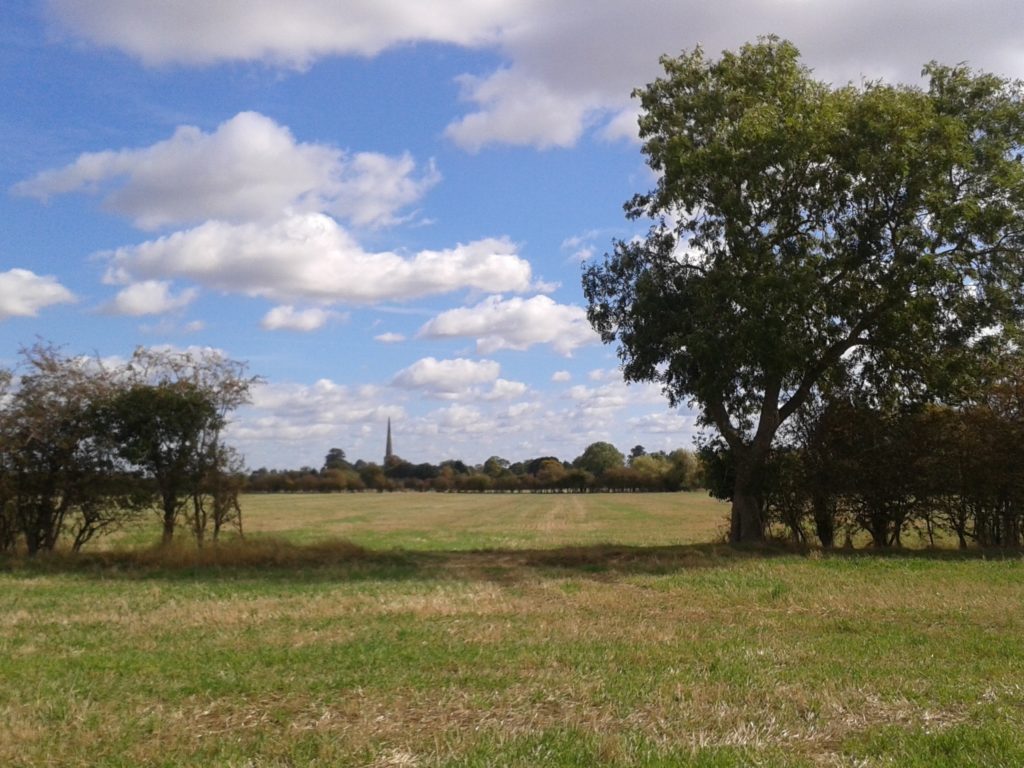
point(431, 521)
point(511, 642)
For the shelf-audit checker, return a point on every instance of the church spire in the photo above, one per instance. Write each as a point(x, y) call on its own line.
point(388, 452)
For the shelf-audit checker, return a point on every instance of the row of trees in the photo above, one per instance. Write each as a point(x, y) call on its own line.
point(87, 446)
point(601, 467)
point(850, 465)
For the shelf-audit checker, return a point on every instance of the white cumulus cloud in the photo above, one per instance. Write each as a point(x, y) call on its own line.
point(564, 66)
point(458, 379)
point(517, 110)
point(515, 323)
point(371, 188)
point(600, 403)
point(446, 376)
point(504, 389)
point(582, 247)
point(23, 293)
point(249, 168)
point(310, 257)
point(150, 297)
point(198, 32)
point(598, 399)
point(605, 374)
point(287, 318)
point(463, 419)
point(671, 423)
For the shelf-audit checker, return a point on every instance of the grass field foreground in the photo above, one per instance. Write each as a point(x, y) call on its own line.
point(556, 651)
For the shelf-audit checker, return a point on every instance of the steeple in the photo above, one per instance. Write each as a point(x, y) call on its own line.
point(388, 453)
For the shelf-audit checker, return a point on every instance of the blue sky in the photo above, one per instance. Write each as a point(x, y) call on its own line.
point(383, 207)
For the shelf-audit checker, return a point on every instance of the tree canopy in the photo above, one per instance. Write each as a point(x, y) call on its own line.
point(599, 457)
point(167, 420)
point(803, 233)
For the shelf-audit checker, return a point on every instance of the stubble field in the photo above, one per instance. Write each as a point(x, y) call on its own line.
point(507, 631)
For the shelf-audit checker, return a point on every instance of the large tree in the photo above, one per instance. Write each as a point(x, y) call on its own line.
point(800, 229)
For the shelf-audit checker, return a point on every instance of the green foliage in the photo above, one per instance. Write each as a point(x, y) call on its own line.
point(599, 457)
point(886, 470)
point(159, 427)
point(496, 466)
point(803, 233)
point(335, 459)
point(166, 420)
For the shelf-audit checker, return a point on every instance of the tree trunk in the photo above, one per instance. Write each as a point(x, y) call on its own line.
point(31, 540)
point(879, 529)
point(747, 523)
point(168, 534)
point(1008, 521)
point(169, 506)
point(824, 521)
point(198, 520)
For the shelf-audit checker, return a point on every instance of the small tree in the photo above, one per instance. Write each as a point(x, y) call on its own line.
point(372, 476)
point(496, 467)
point(215, 501)
point(160, 429)
point(599, 457)
point(993, 450)
point(58, 474)
point(550, 473)
point(653, 470)
point(335, 459)
point(685, 474)
point(167, 421)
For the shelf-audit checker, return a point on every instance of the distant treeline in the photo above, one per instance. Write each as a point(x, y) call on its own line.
point(601, 467)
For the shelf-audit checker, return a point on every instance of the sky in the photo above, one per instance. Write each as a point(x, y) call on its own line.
point(382, 206)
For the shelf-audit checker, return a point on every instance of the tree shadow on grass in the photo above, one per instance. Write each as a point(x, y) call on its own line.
point(274, 560)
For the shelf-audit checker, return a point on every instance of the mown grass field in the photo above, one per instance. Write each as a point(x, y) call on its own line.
point(508, 631)
point(431, 521)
